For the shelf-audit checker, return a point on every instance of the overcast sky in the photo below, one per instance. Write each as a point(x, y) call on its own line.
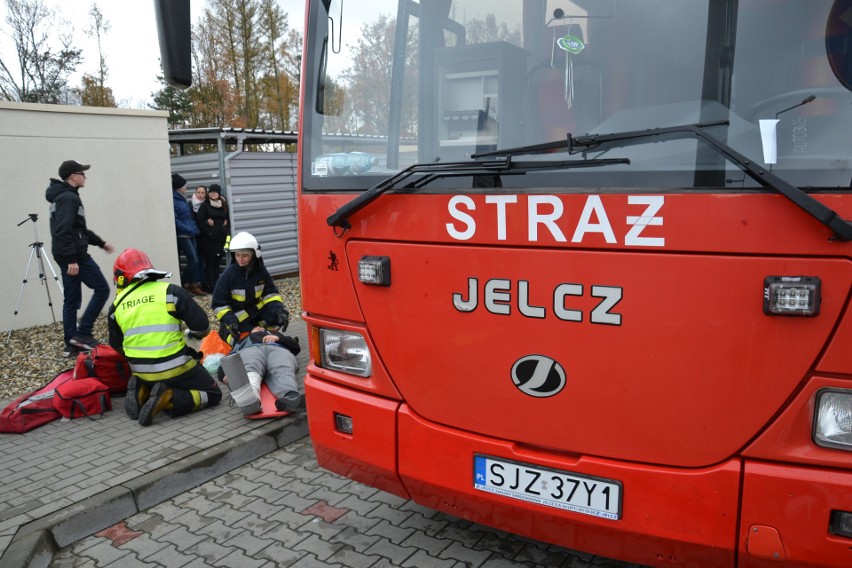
point(130, 46)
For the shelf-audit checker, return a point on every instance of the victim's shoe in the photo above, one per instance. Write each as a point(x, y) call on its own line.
point(290, 402)
point(252, 408)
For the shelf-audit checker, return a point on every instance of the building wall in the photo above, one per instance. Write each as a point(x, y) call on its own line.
point(127, 196)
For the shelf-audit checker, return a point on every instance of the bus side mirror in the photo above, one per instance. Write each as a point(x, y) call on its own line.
point(175, 33)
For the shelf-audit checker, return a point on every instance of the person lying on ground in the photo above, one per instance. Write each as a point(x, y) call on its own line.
point(263, 356)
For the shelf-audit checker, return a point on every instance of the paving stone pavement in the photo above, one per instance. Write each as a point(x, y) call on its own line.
point(215, 489)
point(69, 479)
point(282, 510)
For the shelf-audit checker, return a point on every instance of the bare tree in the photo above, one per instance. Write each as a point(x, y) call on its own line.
point(238, 53)
point(291, 55)
point(274, 22)
point(368, 78)
point(250, 49)
point(281, 63)
point(246, 63)
point(94, 91)
point(212, 93)
point(44, 59)
point(231, 26)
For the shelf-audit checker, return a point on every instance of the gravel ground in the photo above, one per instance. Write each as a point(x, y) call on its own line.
point(33, 356)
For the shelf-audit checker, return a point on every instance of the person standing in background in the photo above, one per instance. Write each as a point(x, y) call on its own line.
point(187, 230)
point(70, 240)
point(212, 220)
point(198, 197)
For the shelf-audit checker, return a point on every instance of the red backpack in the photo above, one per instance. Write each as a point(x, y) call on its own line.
point(34, 408)
point(82, 397)
point(105, 364)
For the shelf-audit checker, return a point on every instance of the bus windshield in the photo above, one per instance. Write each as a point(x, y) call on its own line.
point(392, 83)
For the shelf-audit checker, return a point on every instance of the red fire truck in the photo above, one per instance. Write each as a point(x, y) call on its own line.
point(582, 270)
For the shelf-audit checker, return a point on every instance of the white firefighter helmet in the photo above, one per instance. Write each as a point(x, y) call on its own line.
point(244, 241)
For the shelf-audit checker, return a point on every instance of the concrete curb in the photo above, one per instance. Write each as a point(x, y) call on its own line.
point(35, 543)
point(33, 551)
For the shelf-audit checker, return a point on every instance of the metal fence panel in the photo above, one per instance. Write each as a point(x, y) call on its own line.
point(261, 191)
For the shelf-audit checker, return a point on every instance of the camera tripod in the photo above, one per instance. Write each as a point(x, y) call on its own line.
point(37, 252)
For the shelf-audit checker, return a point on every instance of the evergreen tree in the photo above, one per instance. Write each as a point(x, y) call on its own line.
point(176, 102)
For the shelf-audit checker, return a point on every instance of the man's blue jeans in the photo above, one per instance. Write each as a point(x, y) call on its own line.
point(192, 273)
point(90, 274)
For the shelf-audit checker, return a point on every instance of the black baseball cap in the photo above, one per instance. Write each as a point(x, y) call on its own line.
point(70, 167)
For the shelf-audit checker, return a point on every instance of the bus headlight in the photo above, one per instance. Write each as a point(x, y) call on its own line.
point(833, 422)
point(344, 351)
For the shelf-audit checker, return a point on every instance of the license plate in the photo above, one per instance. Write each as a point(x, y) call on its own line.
point(553, 488)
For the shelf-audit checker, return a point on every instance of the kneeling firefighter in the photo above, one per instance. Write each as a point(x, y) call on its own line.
point(245, 294)
point(145, 324)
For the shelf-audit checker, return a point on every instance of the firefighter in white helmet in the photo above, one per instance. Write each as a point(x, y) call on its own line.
point(245, 295)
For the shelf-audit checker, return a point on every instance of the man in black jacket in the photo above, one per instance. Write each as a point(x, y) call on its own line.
point(70, 240)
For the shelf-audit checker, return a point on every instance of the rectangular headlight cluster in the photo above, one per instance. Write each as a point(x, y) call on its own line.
point(833, 421)
point(791, 295)
point(344, 351)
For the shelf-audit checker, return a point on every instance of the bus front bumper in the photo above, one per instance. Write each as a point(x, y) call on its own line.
point(667, 517)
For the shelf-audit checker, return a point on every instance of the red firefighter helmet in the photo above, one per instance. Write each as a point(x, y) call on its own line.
point(133, 264)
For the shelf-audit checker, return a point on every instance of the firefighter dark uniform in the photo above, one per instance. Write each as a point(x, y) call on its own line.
point(246, 296)
point(145, 324)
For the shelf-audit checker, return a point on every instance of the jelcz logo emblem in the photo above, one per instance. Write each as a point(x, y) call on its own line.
point(538, 376)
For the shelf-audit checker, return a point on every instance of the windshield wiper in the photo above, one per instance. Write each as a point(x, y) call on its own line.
point(825, 215)
point(436, 170)
point(580, 143)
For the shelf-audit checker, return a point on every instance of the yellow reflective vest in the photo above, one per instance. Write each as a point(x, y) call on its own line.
point(153, 341)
